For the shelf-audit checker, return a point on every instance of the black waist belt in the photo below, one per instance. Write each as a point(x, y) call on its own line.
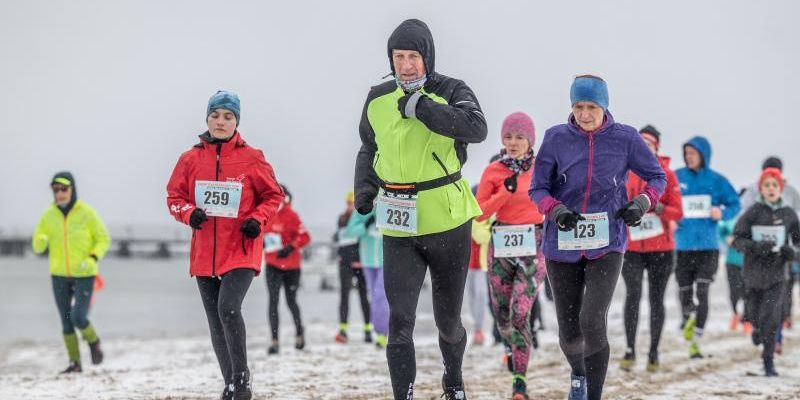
point(413, 188)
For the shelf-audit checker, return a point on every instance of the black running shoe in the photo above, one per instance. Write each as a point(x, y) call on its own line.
point(97, 352)
point(74, 367)
point(227, 393)
point(241, 386)
point(455, 392)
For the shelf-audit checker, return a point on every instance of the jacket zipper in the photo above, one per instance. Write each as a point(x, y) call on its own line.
point(588, 179)
point(441, 164)
point(214, 254)
point(66, 245)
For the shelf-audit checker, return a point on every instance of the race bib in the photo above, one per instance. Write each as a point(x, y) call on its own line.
point(397, 212)
point(650, 227)
point(697, 206)
point(218, 199)
point(514, 241)
point(769, 233)
point(272, 242)
point(588, 235)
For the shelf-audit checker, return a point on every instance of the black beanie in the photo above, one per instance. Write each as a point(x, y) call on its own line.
point(772, 162)
point(651, 130)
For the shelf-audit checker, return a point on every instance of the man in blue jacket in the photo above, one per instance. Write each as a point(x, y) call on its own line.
point(708, 197)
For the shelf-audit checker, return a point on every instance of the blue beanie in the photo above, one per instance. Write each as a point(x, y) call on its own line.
point(589, 88)
point(224, 99)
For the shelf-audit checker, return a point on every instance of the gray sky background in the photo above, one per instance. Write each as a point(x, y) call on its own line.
point(114, 91)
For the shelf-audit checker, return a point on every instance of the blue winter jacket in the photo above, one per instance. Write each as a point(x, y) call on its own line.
point(701, 233)
point(370, 241)
point(588, 173)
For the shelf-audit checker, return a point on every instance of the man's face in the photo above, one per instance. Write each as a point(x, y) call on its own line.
point(408, 65)
point(62, 194)
point(692, 157)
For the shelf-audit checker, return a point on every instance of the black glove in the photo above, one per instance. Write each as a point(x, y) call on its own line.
point(407, 105)
point(632, 212)
point(565, 219)
point(197, 218)
point(284, 252)
point(251, 228)
point(763, 248)
point(510, 183)
point(788, 253)
point(370, 220)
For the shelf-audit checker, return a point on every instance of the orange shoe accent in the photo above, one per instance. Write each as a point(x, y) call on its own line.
point(341, 338)
point(478, 338)
point(735, 319)
point(747, 328)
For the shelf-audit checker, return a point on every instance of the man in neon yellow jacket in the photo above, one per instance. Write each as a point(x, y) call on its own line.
point(414, 135)
point(76, 239)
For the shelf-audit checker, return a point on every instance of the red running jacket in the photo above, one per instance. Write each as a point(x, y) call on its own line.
point(673, 211)
point(219, 246)
point(287, 224)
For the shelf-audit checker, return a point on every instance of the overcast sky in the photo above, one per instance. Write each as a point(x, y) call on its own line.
point(114, 91)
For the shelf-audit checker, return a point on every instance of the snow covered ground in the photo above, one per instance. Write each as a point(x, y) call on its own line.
point(157, 347)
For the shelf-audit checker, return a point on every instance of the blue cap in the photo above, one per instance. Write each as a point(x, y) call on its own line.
point(589, 88)
point(224, 99)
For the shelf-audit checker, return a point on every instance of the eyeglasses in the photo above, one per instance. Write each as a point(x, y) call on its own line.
point(57, 189)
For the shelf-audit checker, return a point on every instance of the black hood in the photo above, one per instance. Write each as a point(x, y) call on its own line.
point(68, 176)
point(413, 34)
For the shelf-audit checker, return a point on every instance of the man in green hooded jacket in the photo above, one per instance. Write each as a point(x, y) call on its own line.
point(414, 133)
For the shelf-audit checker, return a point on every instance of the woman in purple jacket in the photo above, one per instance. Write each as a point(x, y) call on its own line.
point(579, 183)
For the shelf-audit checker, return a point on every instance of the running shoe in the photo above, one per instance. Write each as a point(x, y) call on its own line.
point(478, 338)
point(74, 367)
point(455, 392)
point(519, 389)
point(652, 363)
point(694, 351)
point(97, 352)
point(241, 386)
point(341, 337)
point(577, 389)
point(626, 364)
point(735, 321)
point(273, 347)
point(769, 368)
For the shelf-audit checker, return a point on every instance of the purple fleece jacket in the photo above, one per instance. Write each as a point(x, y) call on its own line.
point(587, 172)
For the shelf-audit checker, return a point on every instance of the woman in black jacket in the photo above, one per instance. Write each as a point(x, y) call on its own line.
point(765, 233)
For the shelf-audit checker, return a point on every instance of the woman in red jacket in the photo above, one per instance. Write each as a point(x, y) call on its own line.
point(503, 192)
point(650, 248)
point(226, 191)
point(285, 236)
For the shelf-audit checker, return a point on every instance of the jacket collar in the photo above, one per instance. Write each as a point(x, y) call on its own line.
point(607, 124)
point(208, 141)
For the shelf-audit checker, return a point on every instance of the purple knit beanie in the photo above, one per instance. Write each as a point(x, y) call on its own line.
point(519, 122)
